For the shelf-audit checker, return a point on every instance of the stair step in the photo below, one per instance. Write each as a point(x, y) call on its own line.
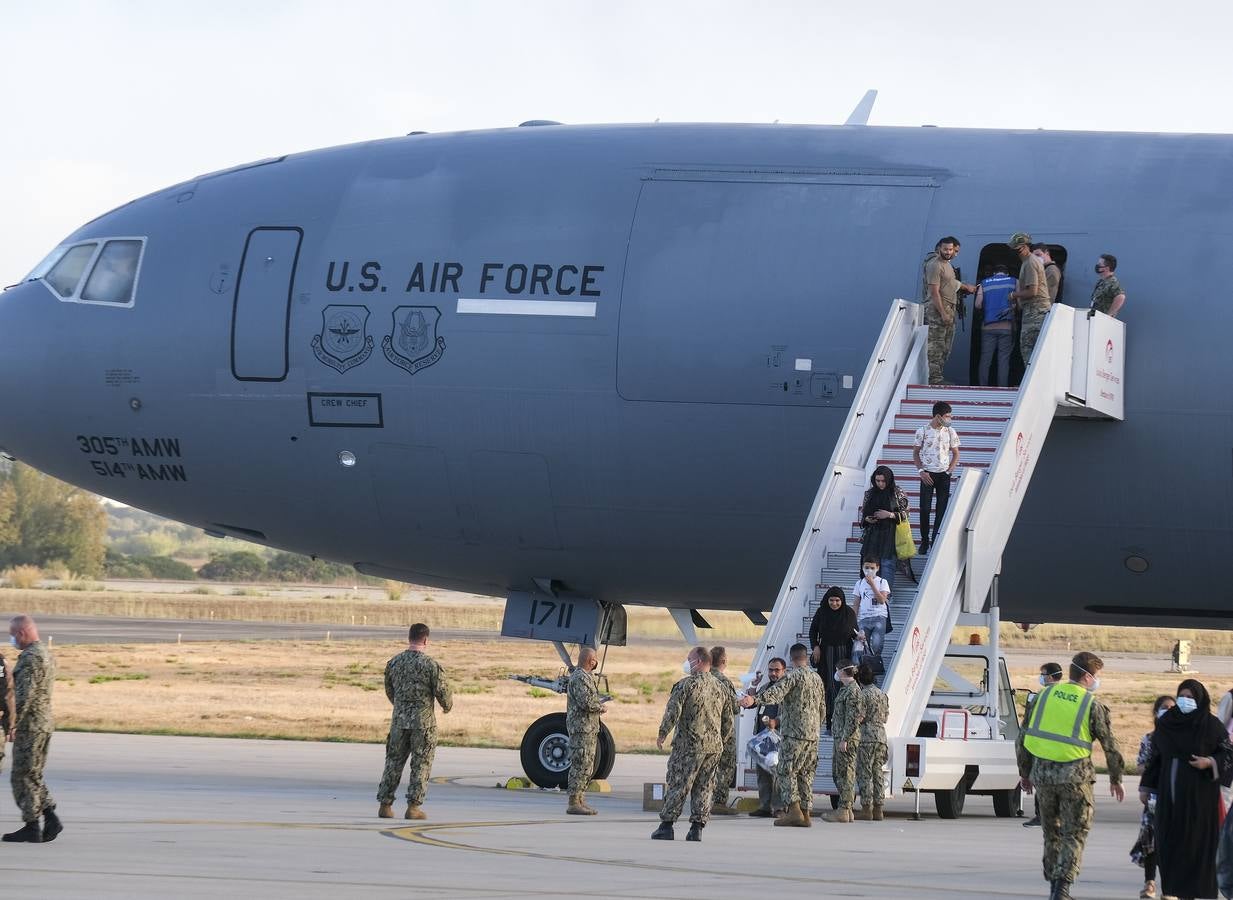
point(960, 393)
point(967, 454)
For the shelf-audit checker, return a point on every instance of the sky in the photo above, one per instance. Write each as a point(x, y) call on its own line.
point(104, 101)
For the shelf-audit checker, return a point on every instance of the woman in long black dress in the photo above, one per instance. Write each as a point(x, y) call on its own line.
point(830, 637)
point(883, 507)
point(1192, 757)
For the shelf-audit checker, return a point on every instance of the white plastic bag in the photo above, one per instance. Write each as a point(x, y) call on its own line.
point(764, 749)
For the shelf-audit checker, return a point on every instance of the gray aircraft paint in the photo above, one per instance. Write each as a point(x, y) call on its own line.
point(661, 446)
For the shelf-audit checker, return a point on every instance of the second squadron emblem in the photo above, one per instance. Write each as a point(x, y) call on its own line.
point(414, 344)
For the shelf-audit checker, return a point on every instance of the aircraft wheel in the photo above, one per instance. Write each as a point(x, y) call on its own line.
point(545, 751)
point(1006, 804)
point(950, 803)
point(605, 752)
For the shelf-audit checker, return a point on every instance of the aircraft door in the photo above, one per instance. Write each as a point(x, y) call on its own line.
point(261, 314)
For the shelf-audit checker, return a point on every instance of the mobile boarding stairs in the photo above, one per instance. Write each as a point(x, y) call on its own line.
point(952, 719)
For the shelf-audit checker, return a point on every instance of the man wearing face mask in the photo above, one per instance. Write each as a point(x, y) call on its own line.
point(31, 734)
point(1050, 673)
point(1054, 753)
point(800, 697)
point(935, 451)
point(583, 707)
point(695, 709)
point(1108, 296)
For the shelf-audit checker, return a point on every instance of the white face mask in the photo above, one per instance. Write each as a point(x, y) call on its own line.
point(13, 640)
point(946, 420)
point(1187, 704)
point(1160, 712)
point(870, 571)
point(1044, 682)
point(687, 668)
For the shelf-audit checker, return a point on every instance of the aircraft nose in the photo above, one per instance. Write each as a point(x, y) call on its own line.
point(20, 367)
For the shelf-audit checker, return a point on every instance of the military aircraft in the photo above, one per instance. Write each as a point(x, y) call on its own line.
point(611, 362)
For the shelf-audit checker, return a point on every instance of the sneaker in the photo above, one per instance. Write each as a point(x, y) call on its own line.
point(1033, 822)
point(1148, 892)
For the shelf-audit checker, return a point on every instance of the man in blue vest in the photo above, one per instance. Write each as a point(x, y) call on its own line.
point(1054, 752)
point(993, 298)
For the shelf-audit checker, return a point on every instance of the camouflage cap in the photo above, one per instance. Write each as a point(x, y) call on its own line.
point(1019, 239)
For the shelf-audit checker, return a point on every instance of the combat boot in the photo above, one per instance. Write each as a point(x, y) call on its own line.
point(843, 814)
point(51, 825)
point(577, 807)
point(663, 832)
point(30, 833)
point(385, 811)
point(877, 812)
point(866, 813)
point(722, 809)
point(808, 816)
point(792, 817)
point(695, 831)
point(414, 812)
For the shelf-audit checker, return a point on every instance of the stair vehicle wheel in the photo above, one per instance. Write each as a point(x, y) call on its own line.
point(950, 803)
point(545, 751)
point(1006, 803)
point(605, 752)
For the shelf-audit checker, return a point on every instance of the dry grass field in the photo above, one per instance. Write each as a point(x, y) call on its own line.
point(332, 690)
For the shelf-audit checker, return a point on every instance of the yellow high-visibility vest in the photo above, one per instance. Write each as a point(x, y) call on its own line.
point(1059, 728)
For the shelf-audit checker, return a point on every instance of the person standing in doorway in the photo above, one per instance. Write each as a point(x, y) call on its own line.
point(993, 299)
point(1054, 754)
point(936, 454)
point(1053, 272)
point(940, 294)
point(1032, 294)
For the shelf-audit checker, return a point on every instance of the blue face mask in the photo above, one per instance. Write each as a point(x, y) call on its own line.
point(1187, 704)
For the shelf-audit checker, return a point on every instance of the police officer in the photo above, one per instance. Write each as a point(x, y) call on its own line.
point(1055, 757)
point(413, 681)
point(726, 773)
point(695, 709)
point(33, 677)
point(1050, 673)
point(800, 697)
point(582, 711)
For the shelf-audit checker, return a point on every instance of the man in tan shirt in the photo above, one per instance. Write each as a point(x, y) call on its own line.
point(939, 292)
point(1032, 295)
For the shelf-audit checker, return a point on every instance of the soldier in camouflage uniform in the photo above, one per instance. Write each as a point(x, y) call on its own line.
point(1032, 294)
point(8, 708)
point(846, 733)
point(800, 697)
point(1064, 787)
point(871, 754)
point(583, 708)
point(1107, 296)
point(696, 708)
point(939, 293)
point(413, 681)
point(33, 677)
point(725, 775)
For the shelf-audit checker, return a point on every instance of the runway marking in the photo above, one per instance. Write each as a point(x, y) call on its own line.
point(421, 834)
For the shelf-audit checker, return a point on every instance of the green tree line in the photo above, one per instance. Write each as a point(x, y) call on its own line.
point(45, 521)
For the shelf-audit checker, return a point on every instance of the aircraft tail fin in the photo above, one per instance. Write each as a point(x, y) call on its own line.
point(860, 115)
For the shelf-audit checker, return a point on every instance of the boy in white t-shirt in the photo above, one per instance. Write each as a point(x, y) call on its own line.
point(872, 598)
point(936, 454)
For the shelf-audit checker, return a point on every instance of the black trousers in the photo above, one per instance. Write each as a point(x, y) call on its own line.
point(941, 484)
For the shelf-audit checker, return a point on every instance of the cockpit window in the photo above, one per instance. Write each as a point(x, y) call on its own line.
point(66, 274)
point(115, 273)
point(104, 270)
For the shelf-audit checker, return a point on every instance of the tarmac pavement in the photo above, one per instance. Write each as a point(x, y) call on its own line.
point(199, 817)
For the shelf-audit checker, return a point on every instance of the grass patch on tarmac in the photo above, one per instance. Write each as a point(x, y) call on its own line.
point(331, 691)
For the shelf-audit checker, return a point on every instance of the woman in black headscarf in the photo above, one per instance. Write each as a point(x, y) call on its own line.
point(884, 507)
point(1192, 757)
point(830, 637)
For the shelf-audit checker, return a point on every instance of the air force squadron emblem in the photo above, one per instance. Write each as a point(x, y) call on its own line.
point(414, 344)
point(344, 342)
